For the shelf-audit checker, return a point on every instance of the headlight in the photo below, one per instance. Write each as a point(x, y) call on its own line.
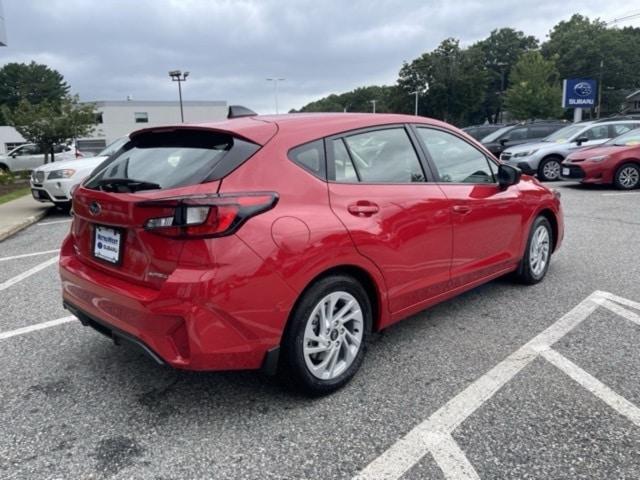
point(524, 154)
point(66, 173)
point(599, 158)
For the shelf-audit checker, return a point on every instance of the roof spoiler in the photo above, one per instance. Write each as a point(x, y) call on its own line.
point(237, 111)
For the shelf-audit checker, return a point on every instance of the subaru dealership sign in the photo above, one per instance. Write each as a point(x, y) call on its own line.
point(579, 93)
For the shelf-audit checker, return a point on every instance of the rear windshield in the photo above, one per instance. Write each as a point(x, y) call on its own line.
point(159, 160)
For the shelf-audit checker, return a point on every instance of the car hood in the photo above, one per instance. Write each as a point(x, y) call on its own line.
point(81, 163)
point(599, 150)
point(525, 147)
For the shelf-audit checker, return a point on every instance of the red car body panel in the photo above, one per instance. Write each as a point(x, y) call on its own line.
point(223, 303)
point(602, 172)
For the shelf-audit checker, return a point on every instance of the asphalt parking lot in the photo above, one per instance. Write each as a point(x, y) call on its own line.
point(505, 381)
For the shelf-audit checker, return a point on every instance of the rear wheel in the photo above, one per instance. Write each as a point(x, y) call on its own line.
point(535, 262)
point(323, 346)
point(627, 177)
point(549, 169)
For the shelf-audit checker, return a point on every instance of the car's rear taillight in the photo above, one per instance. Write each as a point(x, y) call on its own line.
point(207, 216)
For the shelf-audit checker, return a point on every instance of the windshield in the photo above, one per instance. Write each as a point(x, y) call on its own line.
point(626, 139)
point(113, 147)
point(492, 137)
point(167, 160)
point(564, 134)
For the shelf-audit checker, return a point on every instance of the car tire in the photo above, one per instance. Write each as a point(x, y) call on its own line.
point(64, 207)
point(549, 169)
point(319, 354)
point(627, 176)
point(4, 169)
point(539, 245)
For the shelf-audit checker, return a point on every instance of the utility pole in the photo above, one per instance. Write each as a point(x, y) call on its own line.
point(275, 81)
point(178, 76)
point(373, 102)
point(416, 93)
point(600, 86)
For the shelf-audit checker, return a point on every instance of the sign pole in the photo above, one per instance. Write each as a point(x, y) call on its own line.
point(577, 115)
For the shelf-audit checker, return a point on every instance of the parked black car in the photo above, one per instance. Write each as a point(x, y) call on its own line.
point(480, 131)
point(520, 133)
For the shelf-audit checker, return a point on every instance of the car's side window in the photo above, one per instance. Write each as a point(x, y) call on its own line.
point(310, 156)
point(344, 169)
point(381, 156)
point(620, 128)
point(455, 160)
point(597, 133)
point(517, 134)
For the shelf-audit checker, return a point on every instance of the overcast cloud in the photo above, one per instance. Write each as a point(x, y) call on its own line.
point(108, 49)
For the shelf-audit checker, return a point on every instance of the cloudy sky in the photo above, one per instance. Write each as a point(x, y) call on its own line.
point(108, 49)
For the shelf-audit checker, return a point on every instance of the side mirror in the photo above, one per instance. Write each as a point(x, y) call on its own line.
point(581, 140)
point(503, 141)
point(508, 175)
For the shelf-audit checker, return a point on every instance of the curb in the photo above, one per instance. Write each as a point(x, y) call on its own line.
point(12, 230)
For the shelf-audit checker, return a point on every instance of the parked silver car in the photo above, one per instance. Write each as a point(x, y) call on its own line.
point(544, 158)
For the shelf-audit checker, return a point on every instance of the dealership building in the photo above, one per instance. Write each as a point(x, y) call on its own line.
point(118, 118)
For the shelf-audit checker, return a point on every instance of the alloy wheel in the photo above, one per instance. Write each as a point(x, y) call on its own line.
point(333, 335)
point(629, 177)
point(551, 170)
point(539, 250)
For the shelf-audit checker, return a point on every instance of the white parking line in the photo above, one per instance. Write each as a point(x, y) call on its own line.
point(37, 326)
point(595, 386)
point(434, 435)
point(24, 255)
point(28, 273)
point(41, 224)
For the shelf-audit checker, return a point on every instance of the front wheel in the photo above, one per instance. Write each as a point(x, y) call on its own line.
point(549, 169)
point(627, 177)
point(323, 346)
point(535, 262)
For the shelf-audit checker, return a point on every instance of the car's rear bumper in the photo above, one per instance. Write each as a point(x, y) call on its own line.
point(197, 320)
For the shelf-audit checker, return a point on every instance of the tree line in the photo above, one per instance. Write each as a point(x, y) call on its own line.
point(508, 70)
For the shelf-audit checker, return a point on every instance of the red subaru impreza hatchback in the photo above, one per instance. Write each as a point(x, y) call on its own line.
point(281, 242)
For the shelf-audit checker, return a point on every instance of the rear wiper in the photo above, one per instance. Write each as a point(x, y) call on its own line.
point(125, 185)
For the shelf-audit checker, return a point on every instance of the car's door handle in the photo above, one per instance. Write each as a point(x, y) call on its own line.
point(363, 208)
point(461, 209)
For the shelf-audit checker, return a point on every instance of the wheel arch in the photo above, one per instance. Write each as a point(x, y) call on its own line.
point(366, 279)
point(4, 166)
point(553, 220)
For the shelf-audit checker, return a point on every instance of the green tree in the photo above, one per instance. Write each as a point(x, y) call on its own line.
point(586, 48)
point(33, 82)
point(501, 50)
point(48, 123)
point(452, 82)
point(357, 100)
point(535, 88)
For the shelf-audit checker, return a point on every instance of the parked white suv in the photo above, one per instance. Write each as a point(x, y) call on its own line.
point(54, 182)
point(30, 156)
point(544, 158)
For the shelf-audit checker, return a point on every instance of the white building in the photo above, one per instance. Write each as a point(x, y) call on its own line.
point(119, 118)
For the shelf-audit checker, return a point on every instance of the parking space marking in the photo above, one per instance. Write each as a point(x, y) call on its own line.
point(25, 255)
point(28, 273)
point(619, 193)
point(37, 326)
point(595, 386)
point(42, 224)
point(434, 435)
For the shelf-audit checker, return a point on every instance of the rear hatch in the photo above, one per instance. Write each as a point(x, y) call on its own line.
point(140, 187)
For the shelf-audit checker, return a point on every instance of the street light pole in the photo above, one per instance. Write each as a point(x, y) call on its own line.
point(416, 93)
point(600, 88)
point(275, 81)
point(178, 76)
point(373, 102)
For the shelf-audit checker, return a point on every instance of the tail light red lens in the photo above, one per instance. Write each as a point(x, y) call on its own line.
point(207, 216)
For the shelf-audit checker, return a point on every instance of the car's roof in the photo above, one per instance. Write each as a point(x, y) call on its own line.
point(303, 126)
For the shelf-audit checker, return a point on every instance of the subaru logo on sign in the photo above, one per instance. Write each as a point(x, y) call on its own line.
point(579, 93)
point(582, 89)
point(95, 208)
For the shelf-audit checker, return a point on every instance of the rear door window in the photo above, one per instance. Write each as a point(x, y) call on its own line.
point(310, 156)
point(171, 159)
point(383, 156)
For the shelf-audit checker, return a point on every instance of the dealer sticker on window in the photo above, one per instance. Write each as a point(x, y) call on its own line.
point(106, 244)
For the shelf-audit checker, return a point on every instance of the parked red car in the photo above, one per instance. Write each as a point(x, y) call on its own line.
point(615, 162)
point(281, 242)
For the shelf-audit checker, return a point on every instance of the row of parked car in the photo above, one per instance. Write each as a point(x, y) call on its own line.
point(605, 151)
